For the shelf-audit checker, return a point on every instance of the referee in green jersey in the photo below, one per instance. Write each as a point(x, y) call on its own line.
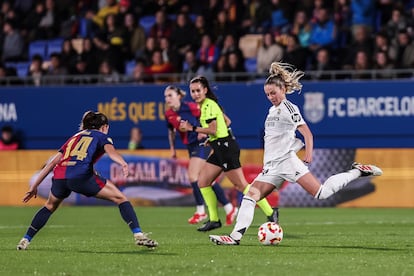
point(225, 155)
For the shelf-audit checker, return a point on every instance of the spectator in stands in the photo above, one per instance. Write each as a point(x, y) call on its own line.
point(383, 66)
point(191, 67)
point(363, 13)
point(361, 65)
point(235, 65)
point(169, 55)
point(146, 54)
point(302, 27)
point(36, 70)
point(230, 45)
point(381, 43)
point(33, 19)
point(49, 24)
point(13, 44)
point(158, 65)
point(134, 36)
point(68, 55)
point(269, 51)
point(278, 19)
point(162, 26)
point(323, 63)
point(396, 23)
point(110, 42)
point(220, 69)
point(8, 139)
point(56, 70)
point(323, 32)
point(139, 74)
point(97, 19)
point(182, 37)
point(201, 29)
point(361, 42)
point(208, 52)
point(210, 11)
point(91, 55)
point(405, 50)
point(124, 9)
point(222, 27)
point(80, 71)
point(295, 54)
point(255, 15)
point(135, 139)
point(343, 21)
point(107, 73)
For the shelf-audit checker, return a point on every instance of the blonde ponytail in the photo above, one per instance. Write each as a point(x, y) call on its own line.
point(286, 73)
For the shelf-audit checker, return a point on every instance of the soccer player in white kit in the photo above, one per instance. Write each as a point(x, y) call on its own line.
point(280, 146)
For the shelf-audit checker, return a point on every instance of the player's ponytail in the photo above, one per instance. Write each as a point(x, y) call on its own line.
point(285, 75)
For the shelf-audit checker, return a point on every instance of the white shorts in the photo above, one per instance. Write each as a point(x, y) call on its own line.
point(276, 172)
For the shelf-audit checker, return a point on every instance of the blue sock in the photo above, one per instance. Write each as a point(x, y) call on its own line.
point(221, 197)
point(38, 221)
point(197, 194)
point(129, 216)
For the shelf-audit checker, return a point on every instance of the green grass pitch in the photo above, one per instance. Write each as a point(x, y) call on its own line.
point(317, 241)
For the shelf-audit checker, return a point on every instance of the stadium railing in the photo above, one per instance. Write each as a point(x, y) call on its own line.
point(242, 77)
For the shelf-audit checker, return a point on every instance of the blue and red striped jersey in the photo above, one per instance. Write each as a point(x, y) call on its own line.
point(80, 152)
point(188, 111)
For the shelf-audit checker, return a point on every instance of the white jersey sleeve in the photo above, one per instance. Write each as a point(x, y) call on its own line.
point(280, 131)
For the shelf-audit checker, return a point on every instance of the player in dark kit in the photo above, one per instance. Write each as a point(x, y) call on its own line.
point(73, 171)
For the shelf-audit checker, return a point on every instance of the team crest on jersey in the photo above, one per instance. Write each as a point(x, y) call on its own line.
point(314, 107)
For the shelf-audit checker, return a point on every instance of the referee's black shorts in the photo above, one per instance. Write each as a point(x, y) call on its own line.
point(226, 153)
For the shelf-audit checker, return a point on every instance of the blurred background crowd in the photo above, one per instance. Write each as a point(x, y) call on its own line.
point(135, 40)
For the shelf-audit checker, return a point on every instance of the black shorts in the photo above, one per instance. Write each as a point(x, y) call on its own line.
point(61, 188)
point(226, 154)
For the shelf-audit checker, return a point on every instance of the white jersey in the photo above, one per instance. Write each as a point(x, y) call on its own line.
point(280, 131)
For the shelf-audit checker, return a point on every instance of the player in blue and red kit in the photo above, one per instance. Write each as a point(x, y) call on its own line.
point(73, 172)
point(189, 111)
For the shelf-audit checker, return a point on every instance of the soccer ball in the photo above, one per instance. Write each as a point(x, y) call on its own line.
point(270, 233)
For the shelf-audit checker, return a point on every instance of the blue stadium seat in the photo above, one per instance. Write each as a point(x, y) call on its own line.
point(146, 22)
point(54, 46)
point(193, 17)
point(250, 64)
point(83, 28)
point(129, 67)
point(38, 47)
point(22, 68)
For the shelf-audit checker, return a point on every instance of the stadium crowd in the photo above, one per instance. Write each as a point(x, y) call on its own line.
point(136, 40)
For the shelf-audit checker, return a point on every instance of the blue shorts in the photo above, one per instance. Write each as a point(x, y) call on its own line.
point(195, 150)
point(61, 188)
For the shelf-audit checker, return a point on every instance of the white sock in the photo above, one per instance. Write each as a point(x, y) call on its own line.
point(244, 218)
point(228, 208)
point(200, 209)
point(336, 182)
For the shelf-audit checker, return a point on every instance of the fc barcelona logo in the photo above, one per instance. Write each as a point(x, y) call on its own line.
point(314, 107)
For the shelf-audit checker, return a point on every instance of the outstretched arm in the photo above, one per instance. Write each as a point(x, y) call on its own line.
point(116, 157)
point(42, 175)
point(308, 136)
